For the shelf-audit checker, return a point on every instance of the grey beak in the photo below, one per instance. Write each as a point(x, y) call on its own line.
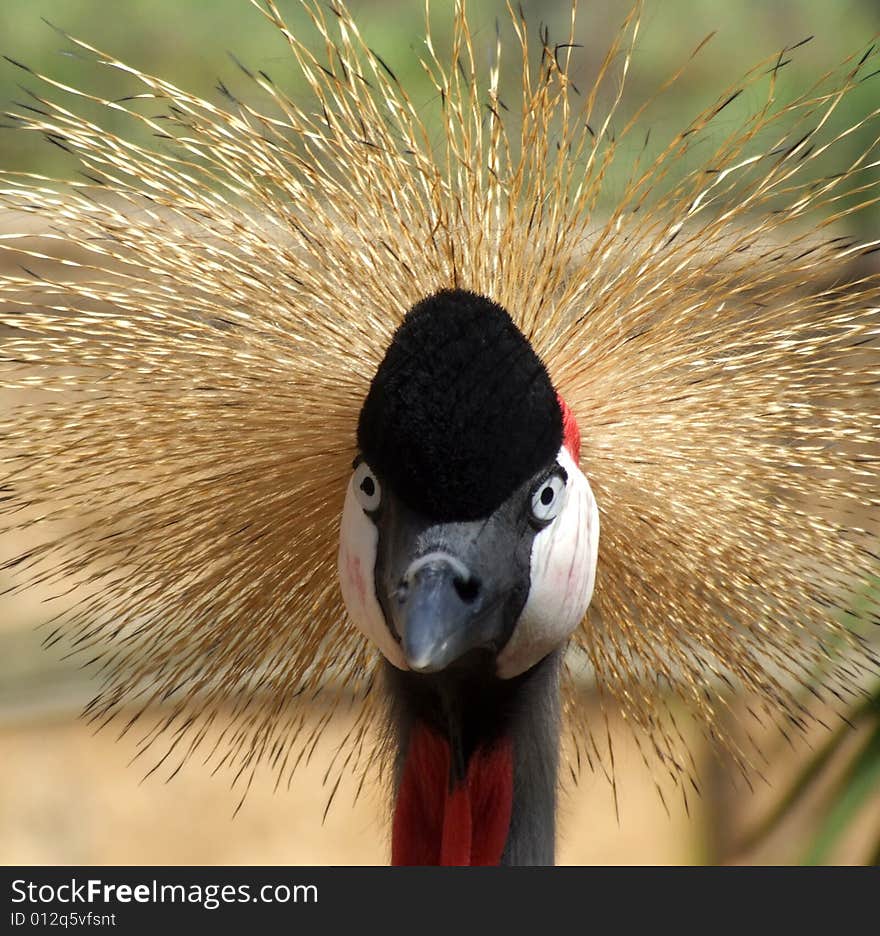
point(437, 610)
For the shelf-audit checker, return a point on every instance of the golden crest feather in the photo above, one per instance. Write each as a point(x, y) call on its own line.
point(210, 307)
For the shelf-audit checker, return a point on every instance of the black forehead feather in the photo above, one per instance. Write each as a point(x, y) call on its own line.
point(461, 410)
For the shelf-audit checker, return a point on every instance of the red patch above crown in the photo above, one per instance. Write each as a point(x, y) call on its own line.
point(571, 435)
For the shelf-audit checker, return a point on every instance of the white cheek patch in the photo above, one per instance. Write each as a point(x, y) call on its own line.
point(358, 542)
point(563, 572)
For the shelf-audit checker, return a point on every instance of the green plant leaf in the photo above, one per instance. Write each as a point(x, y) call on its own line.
point(860, 782)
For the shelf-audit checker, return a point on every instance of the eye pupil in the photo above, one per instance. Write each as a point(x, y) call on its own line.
point(368, 486)
point(547, 496)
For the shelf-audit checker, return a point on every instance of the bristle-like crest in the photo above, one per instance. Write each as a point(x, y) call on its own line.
point(211, 306)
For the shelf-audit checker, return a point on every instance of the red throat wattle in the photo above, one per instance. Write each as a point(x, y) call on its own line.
point(442, 822)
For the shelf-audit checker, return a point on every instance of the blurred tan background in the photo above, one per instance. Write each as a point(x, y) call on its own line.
point(70, 796)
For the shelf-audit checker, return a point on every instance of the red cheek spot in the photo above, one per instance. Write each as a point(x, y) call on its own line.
point(356, 575)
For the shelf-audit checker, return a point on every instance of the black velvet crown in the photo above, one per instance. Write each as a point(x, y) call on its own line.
point(461, 410)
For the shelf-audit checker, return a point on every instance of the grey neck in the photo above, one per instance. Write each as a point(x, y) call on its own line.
point(532, 837)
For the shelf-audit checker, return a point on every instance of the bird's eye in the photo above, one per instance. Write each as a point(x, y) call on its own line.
point(367, 487)
point(548, 498)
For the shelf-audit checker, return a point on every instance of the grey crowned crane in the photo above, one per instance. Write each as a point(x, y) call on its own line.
point(329, 348)
point(468, 556)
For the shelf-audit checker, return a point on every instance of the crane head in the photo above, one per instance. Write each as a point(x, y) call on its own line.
point(469, 531)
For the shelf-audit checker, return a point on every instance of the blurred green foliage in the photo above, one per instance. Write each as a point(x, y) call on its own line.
point(188, 41)
point(841, 777)
point(844, 803)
